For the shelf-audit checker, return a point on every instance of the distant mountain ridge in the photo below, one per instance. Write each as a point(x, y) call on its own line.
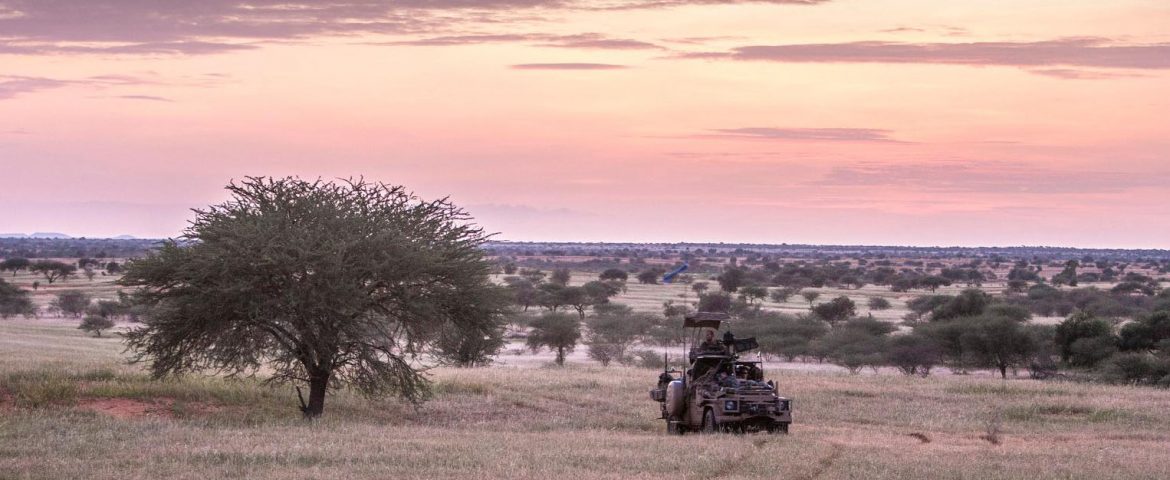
point(57, 235)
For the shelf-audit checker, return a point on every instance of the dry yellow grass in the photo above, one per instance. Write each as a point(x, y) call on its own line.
point(578, 422)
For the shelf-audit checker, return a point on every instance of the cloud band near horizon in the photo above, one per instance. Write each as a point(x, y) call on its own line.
point(1079, 52)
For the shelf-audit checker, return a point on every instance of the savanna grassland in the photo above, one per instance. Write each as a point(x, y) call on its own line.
point(73, 408)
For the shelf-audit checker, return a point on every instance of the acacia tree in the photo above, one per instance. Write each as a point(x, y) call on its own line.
point(14, 301)
point(95, 324)
point(15, 264)
point(72, 302)
point(53, 270)
point(557, 331)
point(320, 282)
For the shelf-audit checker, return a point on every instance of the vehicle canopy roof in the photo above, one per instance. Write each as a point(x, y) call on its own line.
point(705, 320)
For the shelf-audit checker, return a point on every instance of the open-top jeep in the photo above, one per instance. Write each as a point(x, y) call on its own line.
point(718, 391)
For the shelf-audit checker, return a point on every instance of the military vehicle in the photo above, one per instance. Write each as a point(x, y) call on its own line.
point(719, 391)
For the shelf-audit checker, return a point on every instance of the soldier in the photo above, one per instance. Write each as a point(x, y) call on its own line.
point(710, 343)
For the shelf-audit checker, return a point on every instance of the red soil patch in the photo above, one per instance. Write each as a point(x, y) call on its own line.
point(128, 408)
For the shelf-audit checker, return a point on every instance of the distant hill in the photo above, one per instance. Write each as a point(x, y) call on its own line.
point(56, 235)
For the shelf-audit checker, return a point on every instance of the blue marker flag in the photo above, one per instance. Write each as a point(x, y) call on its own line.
point(670, 276)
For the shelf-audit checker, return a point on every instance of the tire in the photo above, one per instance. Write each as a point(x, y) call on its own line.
point(673, 427)
point(778, 428)
point(709, 423)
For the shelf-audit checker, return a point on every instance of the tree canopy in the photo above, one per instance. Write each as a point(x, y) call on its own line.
point(328, 283)
point(14, 301)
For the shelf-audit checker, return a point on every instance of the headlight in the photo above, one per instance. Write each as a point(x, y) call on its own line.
point(730, 405)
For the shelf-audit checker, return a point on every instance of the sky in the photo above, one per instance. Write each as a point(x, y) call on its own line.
point(908, 122)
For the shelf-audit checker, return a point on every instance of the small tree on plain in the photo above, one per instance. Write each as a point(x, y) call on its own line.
point(618, 330)
point(560, 276)
point(715, 302)
point(752, 293)
point(15, 264)
point(650, 277)
point(811, 296)
point(913, 354)
point(700, 287)
point(53, 270)
point(614, 274)
point(732, 279)
point(71, 302)
point(95, 324)
point(15, 301)
point(879, 303)
point(998, 342)
point(557, 331)
point(468, 348)
point(603, 353)
point(781, 295)
point(836, 310)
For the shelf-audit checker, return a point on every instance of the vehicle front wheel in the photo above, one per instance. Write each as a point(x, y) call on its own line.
point(778, 428)
point(709, 423)
point(673, 427)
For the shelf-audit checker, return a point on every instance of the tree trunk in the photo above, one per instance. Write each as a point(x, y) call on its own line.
point(561, 356)
point(1003, 371)
point(318, 382)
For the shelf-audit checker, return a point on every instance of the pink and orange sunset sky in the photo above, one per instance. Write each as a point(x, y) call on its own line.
point(921, 122)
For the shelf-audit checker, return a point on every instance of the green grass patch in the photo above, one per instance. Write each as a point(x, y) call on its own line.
point(1003, 390)
point(854, 393)
point(1059, 411)
point(41, 389)
point(461, 388)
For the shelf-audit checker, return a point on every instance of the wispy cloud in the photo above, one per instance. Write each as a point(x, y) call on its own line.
point(137, 27)
point(151, 98)
point(12, 86)
point(568, 66)
point(805, 134)
point(1080, 52)
point(582, 41)
point(988, 177)
point(1078, 74)
point(948, 30)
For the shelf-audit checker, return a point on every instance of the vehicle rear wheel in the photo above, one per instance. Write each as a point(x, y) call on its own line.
point(709, 423)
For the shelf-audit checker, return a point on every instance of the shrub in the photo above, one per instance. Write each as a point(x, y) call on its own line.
point(879, 303)
point(71, 302)
point(854, 348)
point(781, 295)
point(913, 354)
point(1079, 325)
point(614, 274)
point(602, 352)
point(15, 301)
point(972, 302)
point(1089, 351)
point(1138, 368)
point(836, 310)
point(715, 302)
